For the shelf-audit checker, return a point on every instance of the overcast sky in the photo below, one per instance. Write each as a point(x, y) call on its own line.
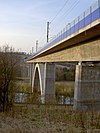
point(22, 22)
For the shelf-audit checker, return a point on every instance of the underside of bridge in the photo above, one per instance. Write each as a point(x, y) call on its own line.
point(82, 46)
point(85, 51)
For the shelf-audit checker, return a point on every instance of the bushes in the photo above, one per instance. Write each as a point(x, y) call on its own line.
point(65, 74)
point(65, 89)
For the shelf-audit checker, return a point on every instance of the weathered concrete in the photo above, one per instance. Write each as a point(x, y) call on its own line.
point(87, 88)
point(70, 48)
point(44, 79)
point(38, 79)
point(50, 82)
point(84, 51)
point(84, 45)
point(31, 69)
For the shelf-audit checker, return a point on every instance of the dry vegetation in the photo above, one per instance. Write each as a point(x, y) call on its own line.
point(22, 87)
point(29, 118)
point(65, 88)
point(48, 119)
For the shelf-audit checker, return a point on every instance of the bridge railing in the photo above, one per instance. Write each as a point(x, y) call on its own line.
point(87, 17)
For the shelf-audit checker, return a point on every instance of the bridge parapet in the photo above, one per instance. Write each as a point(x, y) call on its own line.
point(85, 21)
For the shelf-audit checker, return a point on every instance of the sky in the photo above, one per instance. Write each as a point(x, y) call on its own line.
point(22, 22)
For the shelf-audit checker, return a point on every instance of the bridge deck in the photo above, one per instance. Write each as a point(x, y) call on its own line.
point(84, 27)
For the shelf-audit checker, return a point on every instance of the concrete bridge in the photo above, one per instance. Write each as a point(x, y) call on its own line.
point(78, 42)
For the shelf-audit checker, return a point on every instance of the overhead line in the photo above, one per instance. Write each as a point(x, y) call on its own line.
point(71, 7)
point(59, 11)
point(41, 37)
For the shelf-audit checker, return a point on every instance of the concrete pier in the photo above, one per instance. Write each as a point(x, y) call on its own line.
point(44, 79)
point(87, 87)
point(50, 83)
point(31, 69)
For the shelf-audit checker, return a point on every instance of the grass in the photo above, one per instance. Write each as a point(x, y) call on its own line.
point(48, 119)
point(22, 87)
point(65, 89)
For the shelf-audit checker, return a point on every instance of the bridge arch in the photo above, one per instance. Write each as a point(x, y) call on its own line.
point(38, 81)
point(38, 78)
point(44, 79)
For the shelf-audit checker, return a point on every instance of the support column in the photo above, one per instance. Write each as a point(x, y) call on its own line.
point(44, 79)
point(31, 69)
point(42, 66)
point(87, 88)
point(38, 80)
point(50, 83)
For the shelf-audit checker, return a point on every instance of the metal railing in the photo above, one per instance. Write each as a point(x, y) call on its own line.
point(87, 17)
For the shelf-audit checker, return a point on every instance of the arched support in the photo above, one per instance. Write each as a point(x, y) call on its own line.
point(44, 77)
point(38, 79)
point(87, 87)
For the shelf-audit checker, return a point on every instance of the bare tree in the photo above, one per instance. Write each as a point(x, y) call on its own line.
point(8, 64)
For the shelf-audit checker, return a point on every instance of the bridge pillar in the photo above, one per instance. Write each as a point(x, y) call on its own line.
point(44, 76)
point(31, 69)
point(87, 88)
point(50, 83)
point(38, 80)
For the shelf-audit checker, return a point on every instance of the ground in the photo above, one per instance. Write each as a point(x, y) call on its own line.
point(48, 119)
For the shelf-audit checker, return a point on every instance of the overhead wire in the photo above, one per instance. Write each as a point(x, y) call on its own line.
point(41, 37)
point(72, 6)
point(59, 11)
point(66, 13)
